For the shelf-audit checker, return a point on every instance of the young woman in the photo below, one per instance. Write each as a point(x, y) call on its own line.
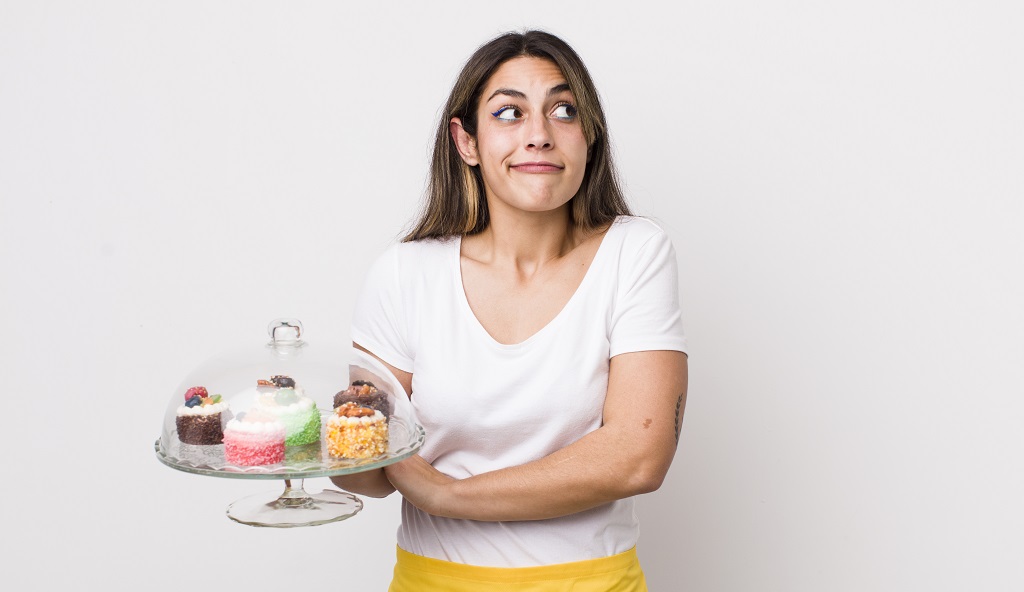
point(536, 324)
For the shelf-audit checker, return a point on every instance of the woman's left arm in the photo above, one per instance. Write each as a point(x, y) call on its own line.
point(628, 455)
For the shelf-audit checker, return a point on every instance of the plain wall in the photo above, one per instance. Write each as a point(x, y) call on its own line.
point(842, 182)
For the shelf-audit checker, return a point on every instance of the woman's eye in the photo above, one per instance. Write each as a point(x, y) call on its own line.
point(564, 111)
point(507, 113)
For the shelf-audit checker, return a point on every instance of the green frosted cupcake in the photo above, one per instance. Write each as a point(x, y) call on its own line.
point(291, 407)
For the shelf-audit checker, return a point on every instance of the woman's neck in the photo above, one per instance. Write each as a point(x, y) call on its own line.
point(524, 240)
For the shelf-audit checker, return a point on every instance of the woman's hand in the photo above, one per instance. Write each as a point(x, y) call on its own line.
point(424, 486)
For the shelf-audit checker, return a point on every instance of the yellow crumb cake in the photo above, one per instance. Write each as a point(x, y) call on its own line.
point(355, 431)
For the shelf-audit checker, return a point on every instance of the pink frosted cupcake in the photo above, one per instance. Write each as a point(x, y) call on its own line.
point(254, 439)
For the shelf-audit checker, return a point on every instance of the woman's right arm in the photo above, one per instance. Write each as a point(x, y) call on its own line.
point(373, 483)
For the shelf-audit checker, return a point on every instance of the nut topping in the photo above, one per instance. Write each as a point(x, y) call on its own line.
point(354, 410)
point(277, 380)
point(282, 381)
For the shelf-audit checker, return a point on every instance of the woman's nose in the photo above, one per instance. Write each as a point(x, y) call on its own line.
point(538, 133)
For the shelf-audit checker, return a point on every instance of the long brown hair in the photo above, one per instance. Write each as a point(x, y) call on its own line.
point(455, 202)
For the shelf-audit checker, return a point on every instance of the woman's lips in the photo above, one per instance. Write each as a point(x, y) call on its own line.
point(536, 167)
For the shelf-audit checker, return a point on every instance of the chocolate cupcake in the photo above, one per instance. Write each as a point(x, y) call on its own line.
point(365, 394)
point(201, 419)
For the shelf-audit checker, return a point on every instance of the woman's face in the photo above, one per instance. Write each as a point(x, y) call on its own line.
point(529, 144)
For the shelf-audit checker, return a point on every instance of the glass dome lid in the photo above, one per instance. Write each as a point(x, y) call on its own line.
point(285, 409)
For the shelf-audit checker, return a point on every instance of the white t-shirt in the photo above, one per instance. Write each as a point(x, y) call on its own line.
point(486, 405)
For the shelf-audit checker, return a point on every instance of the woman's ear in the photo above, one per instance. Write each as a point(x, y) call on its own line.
point(465, 143)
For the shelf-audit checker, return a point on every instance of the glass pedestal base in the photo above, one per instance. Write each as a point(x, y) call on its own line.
point(294, 507)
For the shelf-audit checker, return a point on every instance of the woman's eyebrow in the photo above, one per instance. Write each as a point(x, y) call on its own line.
point(516, 94)
point(508, 92)
point(558, 88)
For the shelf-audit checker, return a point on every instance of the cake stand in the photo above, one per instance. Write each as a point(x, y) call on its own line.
point(323, 373)
point(294, 506)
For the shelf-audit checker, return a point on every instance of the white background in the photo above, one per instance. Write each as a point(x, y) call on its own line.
point(842, 181)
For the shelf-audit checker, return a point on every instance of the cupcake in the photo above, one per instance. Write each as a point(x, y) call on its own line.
point(254, 438)
point(282, 399)
point(356, 432)
point(200, 420)
point(365, 394)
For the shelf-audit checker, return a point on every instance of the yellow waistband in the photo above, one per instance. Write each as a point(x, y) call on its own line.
point(623, 562)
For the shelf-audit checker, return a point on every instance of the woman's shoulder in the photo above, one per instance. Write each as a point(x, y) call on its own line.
point(416, 258)
point(423, 250)
point(636, 231)
point(406, 267)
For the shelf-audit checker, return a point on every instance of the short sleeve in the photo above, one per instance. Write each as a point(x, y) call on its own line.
point(646, 315)
point(379, 322)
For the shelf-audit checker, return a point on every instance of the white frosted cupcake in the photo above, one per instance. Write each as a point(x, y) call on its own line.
point(296, 411)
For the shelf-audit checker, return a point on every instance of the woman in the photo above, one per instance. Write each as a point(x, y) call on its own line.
point(536, 325)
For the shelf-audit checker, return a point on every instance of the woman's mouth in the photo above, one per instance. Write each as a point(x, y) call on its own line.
point(536, 167)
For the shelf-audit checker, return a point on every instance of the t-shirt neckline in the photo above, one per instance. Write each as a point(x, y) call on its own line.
point(471, 318)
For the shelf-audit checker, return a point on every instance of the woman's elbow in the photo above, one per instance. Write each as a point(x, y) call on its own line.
point(645, 476)
point(641, 466)
point(646, 481)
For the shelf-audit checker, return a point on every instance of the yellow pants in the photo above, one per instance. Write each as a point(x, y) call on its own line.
point(618, 573)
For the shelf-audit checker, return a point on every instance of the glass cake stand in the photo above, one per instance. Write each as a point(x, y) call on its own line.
point(320, 372)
